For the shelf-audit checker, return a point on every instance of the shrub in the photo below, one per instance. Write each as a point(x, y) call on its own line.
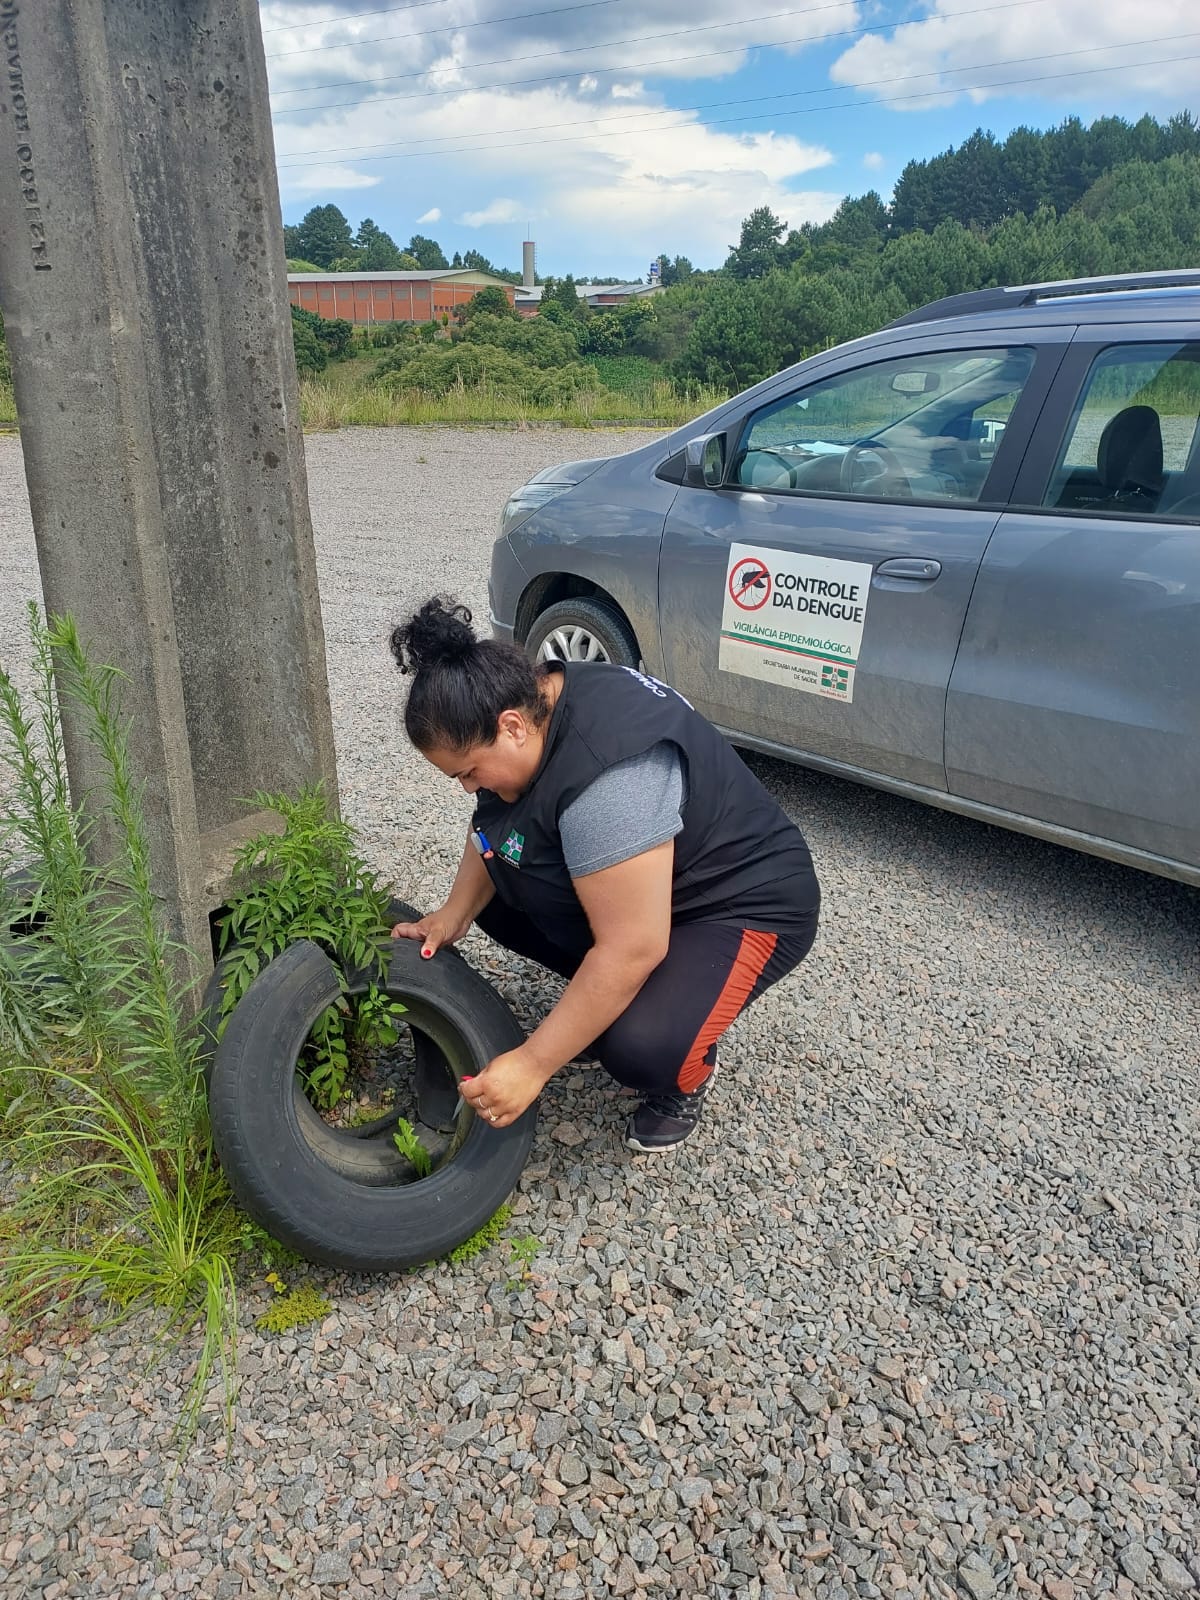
point(541, 344)
point(310, 352)
point(467, 365)
point(320, 339)
point(491, 301)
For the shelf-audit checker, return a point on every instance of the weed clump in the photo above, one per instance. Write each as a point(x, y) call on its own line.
point(102, 1106)
point(294, 1308)
point(483, 1238)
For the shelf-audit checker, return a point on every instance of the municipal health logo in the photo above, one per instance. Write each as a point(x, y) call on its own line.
point(835, 679)
point(512, 847)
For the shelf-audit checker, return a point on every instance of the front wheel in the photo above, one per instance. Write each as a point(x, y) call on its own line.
point(583, 630)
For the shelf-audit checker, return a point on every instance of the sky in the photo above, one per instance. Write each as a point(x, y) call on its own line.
point(613, 131)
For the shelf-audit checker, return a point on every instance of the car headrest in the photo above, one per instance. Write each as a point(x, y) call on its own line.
point(1130, 455)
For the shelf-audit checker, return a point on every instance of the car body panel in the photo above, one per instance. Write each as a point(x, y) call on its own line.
point(1046, 679)
point(895, 722)
point(911, 631)
point(1094, 728)
point(607, 533)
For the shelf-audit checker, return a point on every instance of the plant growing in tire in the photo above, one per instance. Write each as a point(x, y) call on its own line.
point(397, 1170)
point(307, 882)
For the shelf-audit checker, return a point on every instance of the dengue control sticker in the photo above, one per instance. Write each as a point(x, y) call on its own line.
point(795, 620)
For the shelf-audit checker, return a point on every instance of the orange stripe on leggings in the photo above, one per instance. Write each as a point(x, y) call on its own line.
point(755, 951)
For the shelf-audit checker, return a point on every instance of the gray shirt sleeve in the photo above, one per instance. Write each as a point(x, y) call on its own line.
point(626, 811)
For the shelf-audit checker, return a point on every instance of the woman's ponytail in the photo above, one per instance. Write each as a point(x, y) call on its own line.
point(461, 683)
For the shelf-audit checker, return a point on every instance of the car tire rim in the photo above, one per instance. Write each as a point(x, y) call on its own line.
point(571, 641)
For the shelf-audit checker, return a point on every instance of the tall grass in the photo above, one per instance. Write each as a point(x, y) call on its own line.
point(325, 405)
point(104, 1118)
point(8, 406)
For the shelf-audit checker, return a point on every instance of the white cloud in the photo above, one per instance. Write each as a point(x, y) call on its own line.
point(486, 43)
point(1053, 53)
point(614, 173)
point(497, 211)
point(331, 177)
point(873, 160)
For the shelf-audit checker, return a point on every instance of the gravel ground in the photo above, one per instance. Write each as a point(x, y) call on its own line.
point(915, 1312)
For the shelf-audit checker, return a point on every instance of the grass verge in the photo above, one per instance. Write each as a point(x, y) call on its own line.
point(328, 404)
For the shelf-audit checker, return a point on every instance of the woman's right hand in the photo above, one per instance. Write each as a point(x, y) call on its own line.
point(443, 927)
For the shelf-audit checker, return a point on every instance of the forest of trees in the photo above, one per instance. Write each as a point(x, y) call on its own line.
point(324, 239)
point(1072, 201)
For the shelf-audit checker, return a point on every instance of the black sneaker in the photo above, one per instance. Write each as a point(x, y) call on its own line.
point(665, 1120)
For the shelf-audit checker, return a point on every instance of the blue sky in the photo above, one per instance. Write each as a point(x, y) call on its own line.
point(611, 130)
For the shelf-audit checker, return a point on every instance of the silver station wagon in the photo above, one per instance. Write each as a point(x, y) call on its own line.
point(958, 559)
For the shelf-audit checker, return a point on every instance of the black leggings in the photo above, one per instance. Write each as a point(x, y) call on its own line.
point(666, 1038)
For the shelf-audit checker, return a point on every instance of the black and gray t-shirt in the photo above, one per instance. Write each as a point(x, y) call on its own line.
point(634, 806)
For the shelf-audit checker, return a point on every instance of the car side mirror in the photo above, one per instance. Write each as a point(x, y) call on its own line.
point(705, 461)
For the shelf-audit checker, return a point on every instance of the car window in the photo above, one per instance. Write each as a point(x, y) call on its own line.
point(1131, 447)
point(917, 427)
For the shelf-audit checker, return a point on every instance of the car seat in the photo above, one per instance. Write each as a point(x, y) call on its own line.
point(1129, 459)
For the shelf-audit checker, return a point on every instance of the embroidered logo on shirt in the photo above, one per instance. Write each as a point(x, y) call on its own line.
point(512, 847)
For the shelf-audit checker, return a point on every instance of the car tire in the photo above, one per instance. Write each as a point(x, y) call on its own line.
point(583, 630)
point(331, 1196)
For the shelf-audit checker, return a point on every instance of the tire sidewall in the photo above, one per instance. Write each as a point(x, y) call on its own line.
point(603, 621)
point(274, 1171)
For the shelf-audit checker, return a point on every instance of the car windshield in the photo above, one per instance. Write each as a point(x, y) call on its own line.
point(881, 404)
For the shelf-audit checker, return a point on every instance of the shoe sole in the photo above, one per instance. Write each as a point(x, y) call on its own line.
point(632, 1142)
point(657, 1149)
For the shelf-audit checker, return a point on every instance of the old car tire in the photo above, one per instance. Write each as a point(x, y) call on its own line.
point(583, 630)
point(275, 1150)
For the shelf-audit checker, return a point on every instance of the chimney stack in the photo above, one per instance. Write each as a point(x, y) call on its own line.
point(528, 274)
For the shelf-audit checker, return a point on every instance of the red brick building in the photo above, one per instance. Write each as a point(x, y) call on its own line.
point(372, 297)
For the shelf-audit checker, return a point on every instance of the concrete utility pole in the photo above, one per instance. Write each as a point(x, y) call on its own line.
point(144, 290)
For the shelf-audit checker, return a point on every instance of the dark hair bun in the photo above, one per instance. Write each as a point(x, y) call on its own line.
point(438, 635)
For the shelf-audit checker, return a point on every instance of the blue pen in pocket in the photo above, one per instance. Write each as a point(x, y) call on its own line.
point(480, 840)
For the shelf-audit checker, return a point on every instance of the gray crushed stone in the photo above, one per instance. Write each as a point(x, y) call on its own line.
point(914, 1314)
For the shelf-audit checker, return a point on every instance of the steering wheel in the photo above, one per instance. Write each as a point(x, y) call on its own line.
point(776, 455)
point(888, 478)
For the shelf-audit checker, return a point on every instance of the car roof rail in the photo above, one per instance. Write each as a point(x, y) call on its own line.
point(980, 301)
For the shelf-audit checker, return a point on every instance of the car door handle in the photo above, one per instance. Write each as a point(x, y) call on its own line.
point(917, 569)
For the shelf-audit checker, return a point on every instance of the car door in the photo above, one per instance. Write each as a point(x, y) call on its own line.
point(815, 599)
point(1075, 698)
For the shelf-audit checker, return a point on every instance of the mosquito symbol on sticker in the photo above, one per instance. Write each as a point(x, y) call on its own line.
point(750, 585)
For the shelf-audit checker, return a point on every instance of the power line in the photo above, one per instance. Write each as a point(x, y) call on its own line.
point(520, 83)
point(716, 105)
point(845, 105)
point(351, 16)
point(603, 44)
point(452, 27)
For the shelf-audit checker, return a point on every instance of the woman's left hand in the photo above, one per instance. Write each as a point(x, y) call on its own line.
point(506, 1087)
